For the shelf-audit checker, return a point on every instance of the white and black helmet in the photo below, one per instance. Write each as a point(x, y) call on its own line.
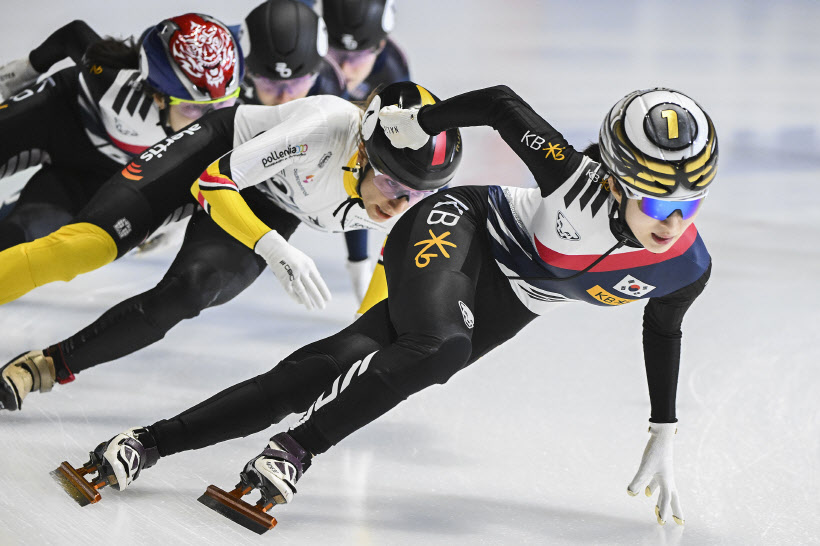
point(660, 143)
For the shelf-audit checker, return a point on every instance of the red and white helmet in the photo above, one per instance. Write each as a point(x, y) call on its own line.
point(192, 57)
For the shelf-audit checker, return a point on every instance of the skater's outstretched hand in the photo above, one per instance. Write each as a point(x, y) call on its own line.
point(294, 269)
point(657, 473)
point(402, 127)
point(14, 76)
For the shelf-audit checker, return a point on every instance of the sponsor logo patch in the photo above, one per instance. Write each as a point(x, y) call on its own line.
point(123, 228)
point(324, 160)
point(132, 171)
point(349, 42)
point(605, 297)
point(554, 150)
point(277, 156)
point(631, 286)
point(283, 70)
point(565, 229)
point(423, 257)
point(446, 218)
point(158, 149)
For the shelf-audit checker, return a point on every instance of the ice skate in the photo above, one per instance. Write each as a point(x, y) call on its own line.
point(29, 372)
point(117, 462)
point(274, 473)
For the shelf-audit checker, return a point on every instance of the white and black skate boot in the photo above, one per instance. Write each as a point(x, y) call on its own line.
point(275, 472)
point(29, 372)
point(117, 462)
point(123, 457)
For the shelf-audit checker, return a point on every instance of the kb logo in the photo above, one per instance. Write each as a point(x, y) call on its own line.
point(283, 70)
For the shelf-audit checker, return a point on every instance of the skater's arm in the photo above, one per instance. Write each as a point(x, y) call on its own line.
point(70, 41)
point(543, 149)
point(219, 195)
point(662, 334)
point(298, 133)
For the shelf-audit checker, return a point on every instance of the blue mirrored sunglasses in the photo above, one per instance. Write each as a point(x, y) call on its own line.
point(661, 209)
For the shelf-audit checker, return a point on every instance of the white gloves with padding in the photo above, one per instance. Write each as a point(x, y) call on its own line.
point(294, 269)
point(657, 472)
point(14, 76)
point(402, 127)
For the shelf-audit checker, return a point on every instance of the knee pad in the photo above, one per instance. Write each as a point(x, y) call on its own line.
point(424, 361)
point(174, 299)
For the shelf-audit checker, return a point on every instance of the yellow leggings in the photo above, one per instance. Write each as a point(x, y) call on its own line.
point(61, 256)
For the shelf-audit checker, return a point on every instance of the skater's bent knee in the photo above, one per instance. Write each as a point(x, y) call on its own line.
point(426, 361)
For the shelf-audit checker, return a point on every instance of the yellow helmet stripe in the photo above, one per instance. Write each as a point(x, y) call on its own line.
point(645, 187)
point(699, 161)
point(706, 180)
point(426, 97)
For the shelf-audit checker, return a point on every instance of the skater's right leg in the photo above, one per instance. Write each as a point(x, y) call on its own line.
point(249, 407)
point(290, 387)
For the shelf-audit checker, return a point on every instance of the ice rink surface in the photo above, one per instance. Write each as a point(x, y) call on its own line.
point(535, 443)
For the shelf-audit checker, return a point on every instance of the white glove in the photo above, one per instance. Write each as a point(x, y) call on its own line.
point(402, 127)
point(14, 76)
point(657, 472)
point(360, 273)
point(294, 269)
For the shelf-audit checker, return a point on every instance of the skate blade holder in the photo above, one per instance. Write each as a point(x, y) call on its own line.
point(80, 489)
point(231, 505)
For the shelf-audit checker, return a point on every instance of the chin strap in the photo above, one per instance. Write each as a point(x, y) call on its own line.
point(163, 116)
point(618, 225)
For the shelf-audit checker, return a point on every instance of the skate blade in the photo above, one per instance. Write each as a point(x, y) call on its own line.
point(77, 487)
point(231, 505)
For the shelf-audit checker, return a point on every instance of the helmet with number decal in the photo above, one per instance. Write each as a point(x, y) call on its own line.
point(283, 39)
point(428, 168)
point(354, 25)
point(192, 57)
point(660, 143)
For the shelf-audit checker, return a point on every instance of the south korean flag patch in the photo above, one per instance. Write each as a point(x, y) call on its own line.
point(633, 287)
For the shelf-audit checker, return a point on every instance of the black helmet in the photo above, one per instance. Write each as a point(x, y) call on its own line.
point(358, 24)
point(428, 168)
point(660, 143)
point(283, 39)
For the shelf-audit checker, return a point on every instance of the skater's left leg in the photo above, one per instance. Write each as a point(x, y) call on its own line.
point(449, 304)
